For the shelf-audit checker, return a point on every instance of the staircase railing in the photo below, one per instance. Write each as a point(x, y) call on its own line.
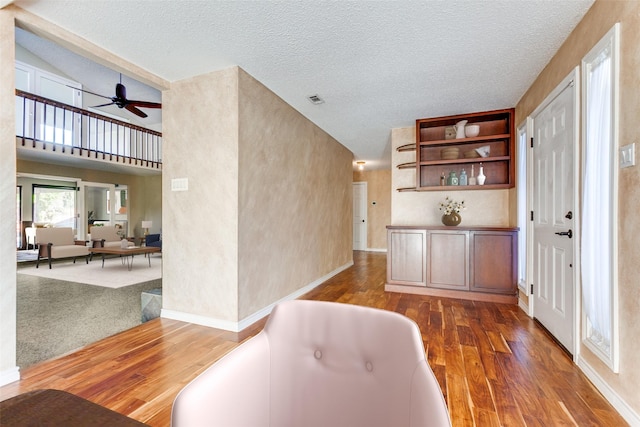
point(53, 125)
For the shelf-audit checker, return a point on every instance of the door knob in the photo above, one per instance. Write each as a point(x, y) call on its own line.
point(565, 233)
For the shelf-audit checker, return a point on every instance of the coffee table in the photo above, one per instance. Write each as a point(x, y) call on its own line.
point(126, 253)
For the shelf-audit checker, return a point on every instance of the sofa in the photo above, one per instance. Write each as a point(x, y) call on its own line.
point(318, 364)
point(153, 240)
point(59, 242)
point(106, 236)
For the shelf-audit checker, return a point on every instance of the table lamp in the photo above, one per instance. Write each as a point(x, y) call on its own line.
point(146, 225)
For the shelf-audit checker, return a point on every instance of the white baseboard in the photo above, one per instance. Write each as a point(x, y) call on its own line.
point(251, 319)
point(197, 319)
point(524, 307)
point(9, 376)
point(376, 250)
point(631, 416)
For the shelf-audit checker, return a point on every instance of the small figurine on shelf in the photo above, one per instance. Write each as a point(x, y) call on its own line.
point(472, 178)
point(463, 177)
point(443, 179)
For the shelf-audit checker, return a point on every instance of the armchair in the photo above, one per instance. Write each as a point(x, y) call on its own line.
point(319, 364)
point(153, 240)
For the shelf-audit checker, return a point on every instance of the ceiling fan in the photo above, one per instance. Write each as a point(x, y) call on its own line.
point(121, 101)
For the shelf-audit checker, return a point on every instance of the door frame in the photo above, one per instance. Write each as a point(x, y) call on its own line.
point(363, 186)
point(572, 79)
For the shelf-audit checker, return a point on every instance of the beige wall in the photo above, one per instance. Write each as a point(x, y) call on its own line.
point(595, 24)
point(378, 215)
point(294, 199)
point(200, 234)
point(484, 207)
point(144, 191)
point(268, 209)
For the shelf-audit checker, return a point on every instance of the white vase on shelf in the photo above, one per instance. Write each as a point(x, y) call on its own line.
point(481, 176)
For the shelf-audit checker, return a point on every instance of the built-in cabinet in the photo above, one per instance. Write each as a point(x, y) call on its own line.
point(457, 262)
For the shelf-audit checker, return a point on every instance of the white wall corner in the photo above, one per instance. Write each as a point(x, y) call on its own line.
point(9, 376)
point(625, 411)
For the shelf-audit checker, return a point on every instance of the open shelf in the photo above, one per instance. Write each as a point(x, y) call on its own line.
point(406, 147)
point(496, 131)
point(408, 165)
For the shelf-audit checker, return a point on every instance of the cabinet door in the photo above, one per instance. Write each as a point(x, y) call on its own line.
point(448, 260)
point(493, 262)
point(406, 258)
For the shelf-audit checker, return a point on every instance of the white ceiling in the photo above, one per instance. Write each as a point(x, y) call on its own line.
point(377, 64)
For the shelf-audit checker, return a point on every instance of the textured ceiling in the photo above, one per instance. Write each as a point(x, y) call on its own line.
point(377, 64)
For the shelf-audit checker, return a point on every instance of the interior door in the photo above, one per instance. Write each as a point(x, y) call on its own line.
point(554, 214)
point(359, 216)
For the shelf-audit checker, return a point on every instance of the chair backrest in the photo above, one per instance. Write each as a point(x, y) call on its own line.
point(108, 233)
point(347, 365)
point(59, 236)
point(150, 238)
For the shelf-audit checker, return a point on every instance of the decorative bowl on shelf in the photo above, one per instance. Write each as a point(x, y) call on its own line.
point(449, 153)
point(471, 131)
point(471, 154)
point(483, 151)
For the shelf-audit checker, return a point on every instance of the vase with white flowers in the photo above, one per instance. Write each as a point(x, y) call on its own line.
point(451, 211)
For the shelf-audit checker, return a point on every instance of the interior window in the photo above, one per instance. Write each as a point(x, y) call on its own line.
point(521, 183)
point(599, 198)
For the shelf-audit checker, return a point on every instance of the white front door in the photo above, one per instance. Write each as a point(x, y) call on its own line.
point(554, 216)
point(359, 216)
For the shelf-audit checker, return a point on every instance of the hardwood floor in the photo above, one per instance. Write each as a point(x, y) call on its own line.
point(495, 366)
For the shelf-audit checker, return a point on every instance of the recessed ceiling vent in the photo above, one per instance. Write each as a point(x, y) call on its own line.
point(315, 99)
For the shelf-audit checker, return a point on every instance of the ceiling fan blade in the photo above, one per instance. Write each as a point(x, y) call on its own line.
point(88, 91)
point(103, 105)
point(145, 104)
point(135, 111)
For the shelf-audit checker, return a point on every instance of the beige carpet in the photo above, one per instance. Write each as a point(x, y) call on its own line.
point(114, 274)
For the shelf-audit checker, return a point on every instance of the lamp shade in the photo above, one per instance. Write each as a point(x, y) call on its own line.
point(147, 224)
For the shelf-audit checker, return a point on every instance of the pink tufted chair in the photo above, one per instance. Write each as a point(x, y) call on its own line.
point(319, 364)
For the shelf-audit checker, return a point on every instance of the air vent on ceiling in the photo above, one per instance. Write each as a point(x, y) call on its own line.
point(315, 99)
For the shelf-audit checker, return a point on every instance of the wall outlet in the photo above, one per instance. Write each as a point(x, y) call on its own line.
point(628, 156)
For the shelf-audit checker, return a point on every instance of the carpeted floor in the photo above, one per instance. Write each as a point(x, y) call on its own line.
point(114, 274)
point(55, 317)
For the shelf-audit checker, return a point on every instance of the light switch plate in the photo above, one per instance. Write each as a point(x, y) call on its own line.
point(180, 184)
point(628, 156)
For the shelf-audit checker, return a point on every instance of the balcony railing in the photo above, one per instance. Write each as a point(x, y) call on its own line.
point(53, 125)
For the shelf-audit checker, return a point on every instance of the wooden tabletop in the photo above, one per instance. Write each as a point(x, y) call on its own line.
point(131, 250)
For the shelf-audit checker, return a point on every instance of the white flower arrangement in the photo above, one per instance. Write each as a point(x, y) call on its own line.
point(450, 206)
